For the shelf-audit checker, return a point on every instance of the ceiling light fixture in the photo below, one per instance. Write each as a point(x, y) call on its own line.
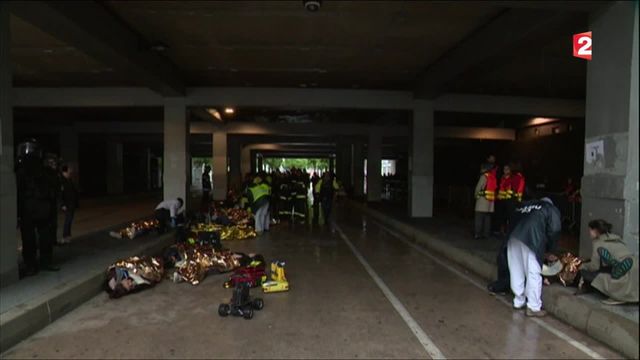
point(213, 112)
point(312, 5)
point(159, 47)
point(229, 110)
point(541, 120)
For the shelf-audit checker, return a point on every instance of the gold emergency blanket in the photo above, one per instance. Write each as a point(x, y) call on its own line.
point(135, 229)
point(227, 232)
point(570, 267)
point(148, 267)
point(197, 260)
point(236, 216)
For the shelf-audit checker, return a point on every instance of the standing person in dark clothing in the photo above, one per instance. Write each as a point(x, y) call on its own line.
point(284, 197)
point(51, 166)
point(316, 198)
point(326, 190)
point(69, 202)
point(37, 190)
point(535, 230)
point(299, 196)
point(206, 185)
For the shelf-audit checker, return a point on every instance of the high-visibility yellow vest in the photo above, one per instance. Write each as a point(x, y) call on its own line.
point(259, 191)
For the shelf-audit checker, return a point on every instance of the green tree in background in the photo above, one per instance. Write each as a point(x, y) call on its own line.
point(288, 163)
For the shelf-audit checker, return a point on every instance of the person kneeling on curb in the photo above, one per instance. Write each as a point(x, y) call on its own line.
point(612, 269)
point(536, 227)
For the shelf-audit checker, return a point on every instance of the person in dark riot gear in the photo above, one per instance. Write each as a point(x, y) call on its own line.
point(37, 192)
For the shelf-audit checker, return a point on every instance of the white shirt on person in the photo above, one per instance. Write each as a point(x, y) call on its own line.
point(173, 206)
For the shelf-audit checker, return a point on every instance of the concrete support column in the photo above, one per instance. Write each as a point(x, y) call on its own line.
point(358, 168)
point(148, 157)
point(176, 150)
point(343, 164)
point(259, 160)
point(220, 176)
point(421, 160)
point(374, 164)
point(246, 163)
point(8, 208)
point(610, 181)
point(115, 168)
point(69, 150)
point(235, 163)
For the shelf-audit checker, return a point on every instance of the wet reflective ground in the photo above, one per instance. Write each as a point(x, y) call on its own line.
point(402, 303)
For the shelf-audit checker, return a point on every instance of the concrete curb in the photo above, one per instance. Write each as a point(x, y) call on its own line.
point(26, 319)
point(611, 329)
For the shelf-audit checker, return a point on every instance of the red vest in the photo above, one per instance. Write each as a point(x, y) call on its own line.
point(505, 192)
point(489, 191)
point(517, 184)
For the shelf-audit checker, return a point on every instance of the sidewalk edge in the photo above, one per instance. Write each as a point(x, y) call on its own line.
point(611, 329)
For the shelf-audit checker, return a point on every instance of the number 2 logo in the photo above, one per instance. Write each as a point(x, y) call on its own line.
point(582, 45)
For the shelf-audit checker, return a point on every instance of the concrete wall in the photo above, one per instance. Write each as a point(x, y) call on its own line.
point(8, 221)
point(610, 182)
point(115, 167)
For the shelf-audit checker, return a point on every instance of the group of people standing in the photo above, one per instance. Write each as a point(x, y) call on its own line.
point(43, 188)
point(278, 196)
point(497, 196)
point(284, 196)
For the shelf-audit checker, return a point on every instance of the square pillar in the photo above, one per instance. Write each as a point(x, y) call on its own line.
point(235, 163)
point(247, 164)
point(8, 199)
point(260, 163)
point(358, 169)
point(148, 159)
point(219, 168)
point(374, 164)
point(176, 150)
point(115, 168)
point(610, 181)
point(343, 163)
point(421, 160)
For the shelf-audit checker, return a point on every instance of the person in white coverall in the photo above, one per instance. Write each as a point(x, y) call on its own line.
point(536, 226)
point(167, 213)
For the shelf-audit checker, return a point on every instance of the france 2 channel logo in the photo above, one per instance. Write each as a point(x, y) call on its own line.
point(582, 45)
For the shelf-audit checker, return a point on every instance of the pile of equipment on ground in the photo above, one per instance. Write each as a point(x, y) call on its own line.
point(197, 253)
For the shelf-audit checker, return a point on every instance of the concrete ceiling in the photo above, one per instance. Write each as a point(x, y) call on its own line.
point(347, 44)
point(40, 59)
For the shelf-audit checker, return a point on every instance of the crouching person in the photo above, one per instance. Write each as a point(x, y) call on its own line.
point(612, 269)
point(535, 229)
point(259, 194)
point(168, 213)
point(132, 275)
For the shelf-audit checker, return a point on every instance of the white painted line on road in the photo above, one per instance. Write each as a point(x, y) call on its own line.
point(415, 328)
point(559, 333)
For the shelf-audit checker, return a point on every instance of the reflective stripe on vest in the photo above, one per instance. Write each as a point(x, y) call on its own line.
point(505, 192)
point(489, 191)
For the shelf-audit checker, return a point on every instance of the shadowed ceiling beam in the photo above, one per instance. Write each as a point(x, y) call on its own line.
point(509, 29)
point(91, 28)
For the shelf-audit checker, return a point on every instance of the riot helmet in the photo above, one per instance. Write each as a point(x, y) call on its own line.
point(29, 149)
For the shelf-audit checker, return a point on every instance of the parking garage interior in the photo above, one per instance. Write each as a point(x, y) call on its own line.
point(402, 101)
